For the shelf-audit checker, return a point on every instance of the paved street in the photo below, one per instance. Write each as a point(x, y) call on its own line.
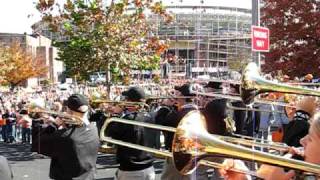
point(28, 166)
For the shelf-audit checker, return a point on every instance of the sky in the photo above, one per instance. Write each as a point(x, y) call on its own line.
point(14, 13)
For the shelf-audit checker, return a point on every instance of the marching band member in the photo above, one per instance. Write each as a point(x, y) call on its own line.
point(173, 118)
point(73, 148)
point(298, 127)
point(310, 153)
point(134, 164)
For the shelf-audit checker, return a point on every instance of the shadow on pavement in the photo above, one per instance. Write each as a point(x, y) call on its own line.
point(16, 152)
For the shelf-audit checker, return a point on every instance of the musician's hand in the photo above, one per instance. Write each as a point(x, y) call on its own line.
point(267, 172)
point(47, 119)
point(297, 151)
point(230, 164)
point(59, 122)
point(116, 109)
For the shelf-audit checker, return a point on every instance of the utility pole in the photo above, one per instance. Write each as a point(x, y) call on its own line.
point(256, 22)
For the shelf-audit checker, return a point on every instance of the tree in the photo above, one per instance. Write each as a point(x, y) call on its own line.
point(239, 61)
point(78, 58)
point(17, 65)
point(118, 37)
point(294, 35)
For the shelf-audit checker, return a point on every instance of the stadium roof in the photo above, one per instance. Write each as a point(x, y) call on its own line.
point(245, 4)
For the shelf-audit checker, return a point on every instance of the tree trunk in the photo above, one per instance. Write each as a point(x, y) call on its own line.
point(108, 81)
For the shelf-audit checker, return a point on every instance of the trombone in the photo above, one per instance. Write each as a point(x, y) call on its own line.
point(192, 144)
point(229, 106)
point(253, 84)
point(169, 97)
point(237, 98)
point(67, 118)
point(123, 104)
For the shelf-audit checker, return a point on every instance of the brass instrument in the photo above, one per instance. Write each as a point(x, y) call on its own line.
point(248, 140)
point(123, 104)
point(157, 152)
point(237, 98)
point(67, 118)
point(253, 84)
point(192, 144)
point(169, 97)
point(229, 106)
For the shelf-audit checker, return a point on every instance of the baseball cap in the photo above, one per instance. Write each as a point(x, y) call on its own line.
point(78, 103)
point(185, 90)
point(134, 94)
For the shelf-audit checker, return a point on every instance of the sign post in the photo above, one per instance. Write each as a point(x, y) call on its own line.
point(260, 39)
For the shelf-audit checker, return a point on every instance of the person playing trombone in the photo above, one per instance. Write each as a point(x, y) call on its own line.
point(172, 119)
point(73, 148)
point(309, 152)
point(134, 164)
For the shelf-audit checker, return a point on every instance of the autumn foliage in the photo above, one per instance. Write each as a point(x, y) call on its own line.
point(17, 65)
point(117, 37)
point(294, 36)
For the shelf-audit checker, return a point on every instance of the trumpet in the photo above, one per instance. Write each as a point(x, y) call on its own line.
point(67, 118)
point(192, 143)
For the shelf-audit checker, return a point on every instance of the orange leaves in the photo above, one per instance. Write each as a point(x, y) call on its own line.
point(158, 8)
point(159, 46)
point(138, 3)
point(43, 5)
point(19, 65)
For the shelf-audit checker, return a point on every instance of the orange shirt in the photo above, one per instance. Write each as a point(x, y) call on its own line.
point(2, 122)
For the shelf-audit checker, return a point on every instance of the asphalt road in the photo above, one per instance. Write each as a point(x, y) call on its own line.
point(30, 166)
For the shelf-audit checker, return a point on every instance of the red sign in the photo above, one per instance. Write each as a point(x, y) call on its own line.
point(260, 39)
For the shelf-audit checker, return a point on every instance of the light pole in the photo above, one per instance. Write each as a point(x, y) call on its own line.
point(256, 22)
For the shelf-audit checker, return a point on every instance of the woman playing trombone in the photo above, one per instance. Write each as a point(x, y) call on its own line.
point(310, 153)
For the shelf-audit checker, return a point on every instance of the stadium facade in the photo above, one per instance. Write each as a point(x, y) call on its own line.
point(205, 37)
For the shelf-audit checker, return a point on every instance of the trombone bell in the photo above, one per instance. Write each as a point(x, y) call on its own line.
point(186, 148)
point(253, 84)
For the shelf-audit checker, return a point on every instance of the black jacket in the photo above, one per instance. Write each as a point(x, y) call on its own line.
point(73, 151)
point(173, 118)
point(295, 130)
point(239, 117)
point(128, 158)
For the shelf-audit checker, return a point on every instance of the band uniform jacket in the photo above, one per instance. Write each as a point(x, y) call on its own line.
point(130, 159)
point(73, 150)
point(172, 120)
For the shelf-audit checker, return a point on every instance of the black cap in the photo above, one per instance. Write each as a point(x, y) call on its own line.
point(214, 85)
point(23, 111)
point(134, 94)
point(76, 101)
point(185, 90)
